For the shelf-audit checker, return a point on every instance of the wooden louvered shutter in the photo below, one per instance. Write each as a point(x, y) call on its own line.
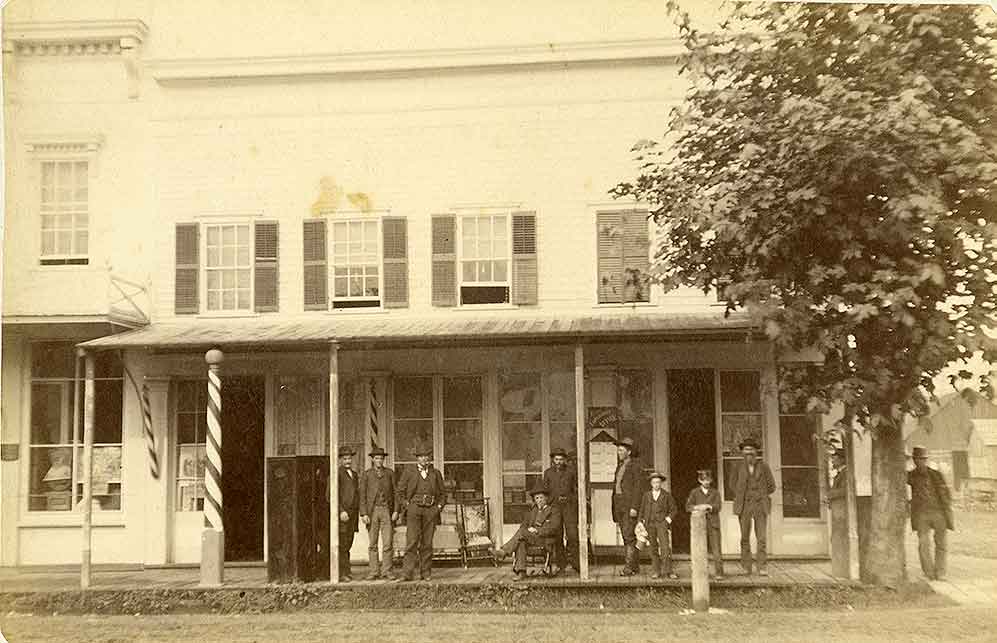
point(444, 281)
point(394, 232)
point(524, 258)
point(636, 261)
point(609, 230)
point(185, 289)
point(265, 275)
point(316, 274)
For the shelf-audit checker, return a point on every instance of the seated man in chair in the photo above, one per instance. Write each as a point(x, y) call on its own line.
point(541, 528)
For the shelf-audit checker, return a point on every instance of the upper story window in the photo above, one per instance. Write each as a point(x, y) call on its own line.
point(228, 267)
point(64, 208)
point(484, 259)
point(624, 257)
point(359, 262)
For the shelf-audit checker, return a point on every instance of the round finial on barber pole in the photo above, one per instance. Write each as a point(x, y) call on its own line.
point(214, 357)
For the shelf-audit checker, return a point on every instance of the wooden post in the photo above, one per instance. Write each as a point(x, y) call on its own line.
point(87, 464)
point(700, 561)
point(333, 461)
point(825, 491)
point(852, 507)
point(581, 439)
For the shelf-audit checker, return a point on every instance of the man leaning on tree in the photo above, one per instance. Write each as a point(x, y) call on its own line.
point(930, 514)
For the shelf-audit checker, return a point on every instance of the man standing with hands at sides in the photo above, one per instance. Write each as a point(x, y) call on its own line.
point(752, 485)
point(562, 484)
point(349, 508)
point(421, 495)
point(709, 498)
point(657, 510)
point(627, 491)
point(378, 511)
point(930, 511)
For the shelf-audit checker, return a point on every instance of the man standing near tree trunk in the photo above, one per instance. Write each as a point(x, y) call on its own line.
point(930, 511)
point(752, 485)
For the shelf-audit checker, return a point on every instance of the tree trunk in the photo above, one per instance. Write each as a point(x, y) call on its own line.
point(885, 561)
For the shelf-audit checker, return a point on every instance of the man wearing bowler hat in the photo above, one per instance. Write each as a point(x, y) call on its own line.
point(421, 495)
point(378, 512)
point(540, 527)
point(656, 513)
point(562, 483)
point(628, 487)
point(349, 508)
point(930, 513)
point(752, 483)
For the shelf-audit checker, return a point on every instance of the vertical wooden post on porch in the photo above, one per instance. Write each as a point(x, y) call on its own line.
point(213, 534)
point(699, 559)
point(87, 465)
point(852, 507)
point(581, 459)
point(333, 461)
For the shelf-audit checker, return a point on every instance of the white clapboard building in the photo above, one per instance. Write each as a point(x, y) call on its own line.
point(414, 194)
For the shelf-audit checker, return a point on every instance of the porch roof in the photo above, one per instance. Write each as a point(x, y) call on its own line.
point(457, 327)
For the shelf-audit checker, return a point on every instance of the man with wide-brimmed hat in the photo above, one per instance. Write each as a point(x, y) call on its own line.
point(930, 513)
point(752, 485)
point(421, 496)
point(540, 527)
point(656, 513)
point(379, 513)
point(628, 487)
point(349, 508)
point(562, 483)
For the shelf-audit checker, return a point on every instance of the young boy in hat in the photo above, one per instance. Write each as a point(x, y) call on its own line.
point(562, 483)
point(379, 513)
point(422, 495)
point(709, 498)
point(657, 510)
point(349, 508)
point(541, 526)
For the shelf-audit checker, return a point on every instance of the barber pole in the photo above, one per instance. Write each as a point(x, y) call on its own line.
point(373, 416)
point(150, 437)
point(213, 536)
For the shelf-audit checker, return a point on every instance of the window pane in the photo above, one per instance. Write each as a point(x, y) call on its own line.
point(470, 271)
point(53, 359)
point(515, 496)
point(187, 428)
point(522, 448)
point(341, 287)
point(228, 235)
point(51, 412)
point(499, 272)
point(636, 412)
point(413, 397)
point(243, 236)
point(562, 436)
point(228, 300)
point(64, 242)
point(105, 477)
point(463, 481)
point(187, 396)
point(561, 396)
point(737, 428)
point(48, 243)
point(462, 440)
point(484, 271)
point(800, 493)
point(228, 256)
point(214, 301)
point(214, 236)
point(462, 397)
point(409, 436)
point(796, 440)
point(50, 485)
point(243, 296)
point(740, 391)
point(82, 243)
point(520, 397)
point(107, 411)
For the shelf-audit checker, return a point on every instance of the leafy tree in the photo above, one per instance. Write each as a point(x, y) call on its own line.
point(834, 167)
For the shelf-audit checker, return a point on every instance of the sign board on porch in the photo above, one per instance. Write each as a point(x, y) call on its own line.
point(602, 458)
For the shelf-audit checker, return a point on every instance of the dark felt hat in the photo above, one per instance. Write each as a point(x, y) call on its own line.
point(560, 452)
point(919, 452)
point(377, 451)
point(626, 442)
point(539, 488)
point(658, 475)
point(344, 451)
point(749, 442)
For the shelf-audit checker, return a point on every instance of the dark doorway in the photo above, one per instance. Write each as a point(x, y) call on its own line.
point(243, 412)
point(691, 438)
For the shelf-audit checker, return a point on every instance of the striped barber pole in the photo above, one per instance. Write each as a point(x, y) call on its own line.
point(213, 467)
point(150, 437)
point(374, 423)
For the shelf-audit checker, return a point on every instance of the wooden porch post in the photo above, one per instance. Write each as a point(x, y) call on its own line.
point(333, 460)
point(87, 465)
point(852, 507)
point(582, 461)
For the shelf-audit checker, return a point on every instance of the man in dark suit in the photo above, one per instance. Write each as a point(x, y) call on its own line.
point(930, 512)
point(708, 498)
point(421, 496)
point(562, 483)
point(657, 510)
point(752, 484)
point(628, 487)
point(541, 527)
point(349, 509)
point(379, 513)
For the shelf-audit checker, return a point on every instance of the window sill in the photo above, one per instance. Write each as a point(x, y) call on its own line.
point(242, 314)
point(639, 304)
point(357, 311)
point(65, 268)
point(476, 307)
point(56, 519)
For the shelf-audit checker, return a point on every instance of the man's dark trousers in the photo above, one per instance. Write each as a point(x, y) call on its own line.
point(420, 528)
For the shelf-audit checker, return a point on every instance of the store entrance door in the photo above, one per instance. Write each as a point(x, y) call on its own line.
point(243, 413)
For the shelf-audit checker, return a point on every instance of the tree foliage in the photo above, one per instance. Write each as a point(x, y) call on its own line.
point(835, 168)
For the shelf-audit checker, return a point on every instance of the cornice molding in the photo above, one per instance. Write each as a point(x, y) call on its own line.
point(207, 69)
point(64, 144)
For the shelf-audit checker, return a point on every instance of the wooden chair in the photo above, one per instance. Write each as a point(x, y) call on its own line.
point(474, 526)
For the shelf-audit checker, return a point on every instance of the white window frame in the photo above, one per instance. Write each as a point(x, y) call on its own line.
point(74, 257)
point(481, 212)
point(204, 269)
point(347, 219)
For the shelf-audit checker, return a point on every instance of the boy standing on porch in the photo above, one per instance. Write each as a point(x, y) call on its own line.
point(706, 496)
point(378, 511)
point(422, 496)
point(752, 485)
point(657, 510)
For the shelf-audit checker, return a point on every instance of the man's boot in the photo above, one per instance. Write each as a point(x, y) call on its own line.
point(628, 560)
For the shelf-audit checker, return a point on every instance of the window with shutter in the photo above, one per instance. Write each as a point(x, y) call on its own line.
point(228, 267)
point(623, 262)
point(265, 287)
point(395, 251)
point(356, 263)
point(315, 275)
point(444, 277)
point(524, 258)
point(185, 290)
point(484, 258)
